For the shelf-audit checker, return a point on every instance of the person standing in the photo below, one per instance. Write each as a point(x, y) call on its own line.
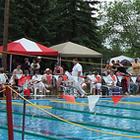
point(42, 65)
point(77, 71)
point(35, 66)
point(18, 70)
point(26, 66)
point(136, 67)
point(58, 70)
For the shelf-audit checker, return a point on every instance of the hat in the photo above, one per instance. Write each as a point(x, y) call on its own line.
point(38, 57)
point(47, 69)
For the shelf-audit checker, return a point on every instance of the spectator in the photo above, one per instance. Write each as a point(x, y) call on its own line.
point(2, 81)
point(42, 65)
point(58, 70)
point(107, 69)
point(133, 86)
point(111, 79)
point(36, 81)
point(26, 66)
point(96, 83)
point(18, 70)
point(113, 66)
point(34, 66)
point(120, 67)
point(124, 85)
point(92, 71)
point(136, 67)
point(47, 84)
point(14, 83)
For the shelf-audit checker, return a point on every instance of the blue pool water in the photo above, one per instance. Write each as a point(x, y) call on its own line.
point(124, 119)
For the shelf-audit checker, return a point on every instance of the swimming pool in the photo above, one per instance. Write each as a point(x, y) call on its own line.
point(123, 119)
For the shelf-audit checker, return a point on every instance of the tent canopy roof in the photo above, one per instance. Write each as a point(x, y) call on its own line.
point(27, 47)
point(70, 49)
point(121, 58)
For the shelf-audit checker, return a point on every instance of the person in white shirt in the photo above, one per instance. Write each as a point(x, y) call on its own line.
point(2, 81)
point(96, 83)
point(77, 71)
point(47, 83)
point(36, 81)
point(111, 79)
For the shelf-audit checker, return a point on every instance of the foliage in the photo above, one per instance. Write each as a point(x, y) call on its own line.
point(52, 22)
point(122, 25)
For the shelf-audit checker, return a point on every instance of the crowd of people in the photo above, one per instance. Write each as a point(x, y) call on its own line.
point(44, 78)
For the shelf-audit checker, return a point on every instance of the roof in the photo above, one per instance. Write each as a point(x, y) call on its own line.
point(70, 49)
point(28, 47)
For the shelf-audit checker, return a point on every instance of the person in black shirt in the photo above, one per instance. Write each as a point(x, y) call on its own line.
point(26, 66)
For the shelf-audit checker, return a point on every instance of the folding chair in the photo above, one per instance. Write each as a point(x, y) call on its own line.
point(110, 89)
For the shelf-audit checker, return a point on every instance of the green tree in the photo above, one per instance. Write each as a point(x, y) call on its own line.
point(121, 24)
point(52, 22)
point(29, 19)
point(73, 21)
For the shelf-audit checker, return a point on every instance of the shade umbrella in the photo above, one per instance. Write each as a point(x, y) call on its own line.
point(28, 47)
point(24, 46)
point(70, 49)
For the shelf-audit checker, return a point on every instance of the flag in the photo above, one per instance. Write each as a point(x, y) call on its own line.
point(92, 100)
point(127, 78)
point(113, 77)
point(116, 98)
point(28, 77)
point(98, 79)
point(21, 80)
point(65, 77)
point(69, 98)
point(56, 77)
point(48, 77)
point(82, 76)
point(27, 92)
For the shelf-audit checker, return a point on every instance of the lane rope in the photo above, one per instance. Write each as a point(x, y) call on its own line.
point(91, 129)
point(78, 111)
point(81, 123)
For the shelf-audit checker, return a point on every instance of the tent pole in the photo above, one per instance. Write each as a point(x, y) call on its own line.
point(60, 60)
point(10, 62)
point(101, 65)
point(57, 59)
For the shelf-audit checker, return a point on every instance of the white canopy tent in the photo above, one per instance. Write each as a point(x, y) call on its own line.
point(121, 58)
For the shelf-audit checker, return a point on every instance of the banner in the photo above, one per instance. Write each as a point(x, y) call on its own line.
point(82, 76)
point(98, 79)
point(92, 100)
point(116, 98)
point(48, 78)
point(21, 80)
point(28, 77)
point(65, 77)
point(69, 98)
point(113, 77)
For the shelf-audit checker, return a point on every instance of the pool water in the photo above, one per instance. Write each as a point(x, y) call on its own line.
point(123, 119)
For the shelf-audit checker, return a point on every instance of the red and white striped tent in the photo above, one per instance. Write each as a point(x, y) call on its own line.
point(26, 47)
